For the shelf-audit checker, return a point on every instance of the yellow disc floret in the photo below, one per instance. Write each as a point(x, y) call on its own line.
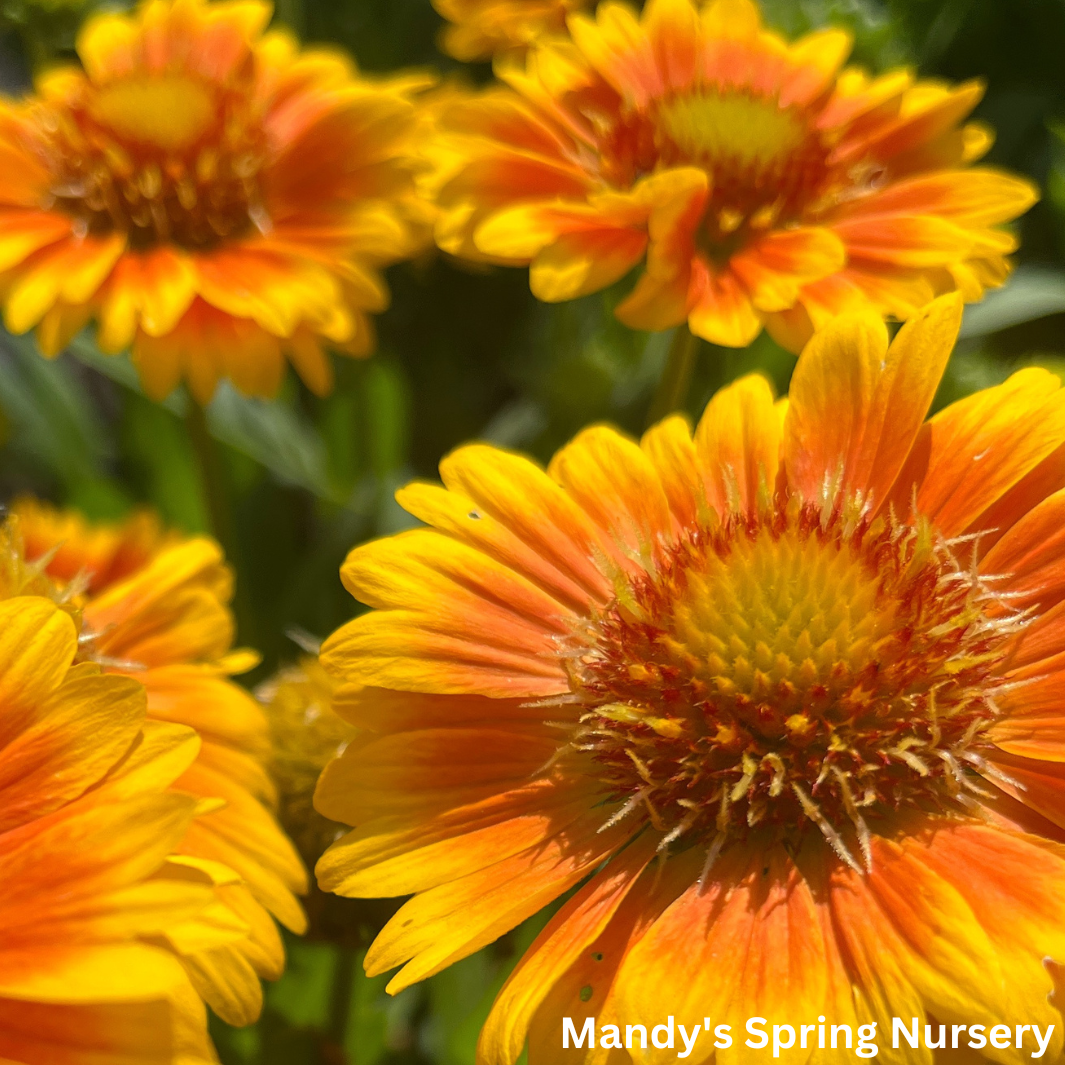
point(792, 668)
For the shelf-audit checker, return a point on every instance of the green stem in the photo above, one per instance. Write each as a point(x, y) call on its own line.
point(212, 477)
point(215, 488)
point(676, 378)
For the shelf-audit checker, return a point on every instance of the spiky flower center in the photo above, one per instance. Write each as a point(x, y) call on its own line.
point(795, 670)
point(165, 158)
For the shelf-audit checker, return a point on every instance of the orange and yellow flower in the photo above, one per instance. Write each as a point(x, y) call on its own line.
point(166, 623)
point(306, 735)
point(780, 699)
point(214, 196)
point(753, 181)
point(481, 29)
point(99, 910)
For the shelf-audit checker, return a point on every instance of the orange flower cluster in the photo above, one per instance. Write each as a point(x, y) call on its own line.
point(218, 199)
point(481, 29)
point(752, 182)
point(140, 858)
point(213, 196)
point(777, 701)
point(773, 704)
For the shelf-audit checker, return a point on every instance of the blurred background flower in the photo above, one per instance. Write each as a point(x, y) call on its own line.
point(463, 351)
point(483, 29)
point(757, 182)
point(306, 734)
point(214, 197)
point(117, 920)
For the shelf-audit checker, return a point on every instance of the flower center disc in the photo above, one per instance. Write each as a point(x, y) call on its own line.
point(730, 133)
point(168, 112)
point(168, 158)
point(788, 670)
point(766, 165)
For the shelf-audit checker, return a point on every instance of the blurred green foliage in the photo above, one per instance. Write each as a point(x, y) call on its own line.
point(463, 354)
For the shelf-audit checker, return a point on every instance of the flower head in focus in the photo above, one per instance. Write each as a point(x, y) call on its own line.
point(213, 196)
point(167, 624)
point(306, 736)
point(100, 912)
point(751, 180)
point(481, 29)
point(784, 691)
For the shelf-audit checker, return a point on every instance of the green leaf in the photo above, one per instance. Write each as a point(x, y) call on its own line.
point(378, 1024)
point(120, 369)
point(1032, 292)
point(366, 1031)
point(304, 994)
point(157, 449)
point(275, 435)
point(53, 426)
point(271, 432)
point(387, 413)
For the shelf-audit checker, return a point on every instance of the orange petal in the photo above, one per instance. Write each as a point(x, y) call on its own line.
point(911, 241)
point(857, 407)
point(60, 325)
point(382, 711)
point(673, 29)
point(587, 986)
point(402, 649)
point(927, 113)
point(391, 857)
point(738, 446)
point(914, 941)
point(579, 263)
point(756, 911)
point(774, 268)
point(1042, 481)
point(570, 933)
point(618, 47)
point(455, 587)
point(244, 836)
point(661, 297)
point(82, 732)
point(791, 329)
point(311, 362)
point(167, 289)
point(969, 455)
point(976, 198)
point(522, 497)
point(671, 450)
point(817, 57)
point(614, 482)
point(1037, 779)
point(731, 18)
point(449, 922)
point(721, 310)
point(1014, 887)
point(37, 645)
point(457, 515)
point(24, 232)
point(1030, 558)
